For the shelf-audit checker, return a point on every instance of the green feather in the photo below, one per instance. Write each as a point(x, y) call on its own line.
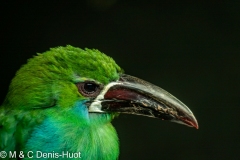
point(43, 97)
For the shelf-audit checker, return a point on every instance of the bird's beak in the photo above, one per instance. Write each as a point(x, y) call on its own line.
point(132, 95)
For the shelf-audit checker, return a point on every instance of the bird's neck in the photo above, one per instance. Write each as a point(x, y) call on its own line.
point(94, 139)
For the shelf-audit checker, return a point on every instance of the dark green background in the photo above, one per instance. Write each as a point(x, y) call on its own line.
point(191, 49)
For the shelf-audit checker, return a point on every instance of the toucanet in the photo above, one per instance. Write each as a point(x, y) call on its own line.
point(65, 99)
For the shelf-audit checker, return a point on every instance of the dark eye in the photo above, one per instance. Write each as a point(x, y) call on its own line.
point(88, 89)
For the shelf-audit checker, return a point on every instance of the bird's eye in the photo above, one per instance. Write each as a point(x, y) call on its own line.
point(88, 89)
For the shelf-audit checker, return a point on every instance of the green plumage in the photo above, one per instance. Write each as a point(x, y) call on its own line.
point(44, 111)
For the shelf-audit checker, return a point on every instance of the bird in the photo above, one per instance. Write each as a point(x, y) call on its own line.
point(64, 99)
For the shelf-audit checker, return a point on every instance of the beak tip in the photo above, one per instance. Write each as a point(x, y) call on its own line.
point(195, 123)
point(196, 126)
point(191, 121)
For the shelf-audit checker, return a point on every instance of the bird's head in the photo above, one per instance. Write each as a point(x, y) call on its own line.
point(69, 82)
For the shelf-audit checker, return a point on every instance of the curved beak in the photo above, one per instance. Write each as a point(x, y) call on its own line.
point(132, 95)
